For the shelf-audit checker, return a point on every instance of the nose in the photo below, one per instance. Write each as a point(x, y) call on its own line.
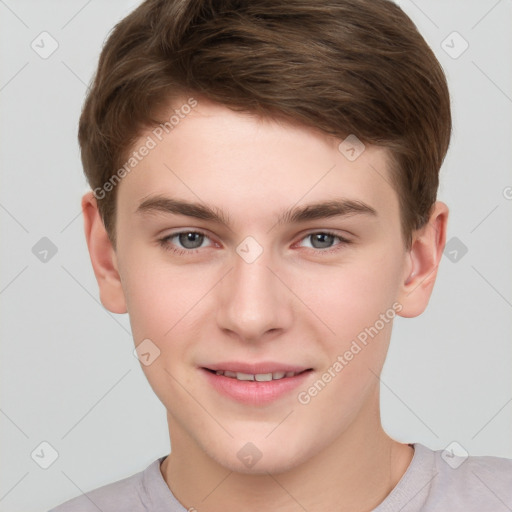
point(252, 300)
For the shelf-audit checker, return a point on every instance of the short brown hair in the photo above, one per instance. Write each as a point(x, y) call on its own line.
point(342, 66)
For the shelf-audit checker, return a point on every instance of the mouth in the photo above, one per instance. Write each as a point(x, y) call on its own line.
point(257, 384)
point(257, 377)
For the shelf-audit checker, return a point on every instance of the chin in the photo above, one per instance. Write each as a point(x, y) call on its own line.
point(270, 464)
point(259, 457)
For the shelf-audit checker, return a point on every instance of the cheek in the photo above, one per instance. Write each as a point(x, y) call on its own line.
point(358, 305)
point(163, 309)
point(165, 304)
point(357, 302)
point(350, 297)
point(156, 298)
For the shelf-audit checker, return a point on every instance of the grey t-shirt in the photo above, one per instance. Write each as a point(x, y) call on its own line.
point(430, 484)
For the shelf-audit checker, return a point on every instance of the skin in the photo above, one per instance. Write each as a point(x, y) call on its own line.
point(295, 304)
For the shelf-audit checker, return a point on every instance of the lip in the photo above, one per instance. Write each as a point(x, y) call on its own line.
point(255, 392)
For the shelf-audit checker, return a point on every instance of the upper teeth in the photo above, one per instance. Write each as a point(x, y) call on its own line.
point(260, 377)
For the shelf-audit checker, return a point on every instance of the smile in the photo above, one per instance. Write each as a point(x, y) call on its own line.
point(259, 377)
point(265, 384)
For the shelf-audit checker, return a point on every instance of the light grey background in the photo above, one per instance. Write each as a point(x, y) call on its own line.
point(68, 374)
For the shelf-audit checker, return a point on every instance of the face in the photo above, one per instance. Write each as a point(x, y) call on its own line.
point(231, 271)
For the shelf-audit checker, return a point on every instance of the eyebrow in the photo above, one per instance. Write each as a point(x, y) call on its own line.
point(314, 211)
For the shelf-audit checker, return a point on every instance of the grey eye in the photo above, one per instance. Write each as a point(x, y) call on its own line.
point(190, 239)
point(321, 240)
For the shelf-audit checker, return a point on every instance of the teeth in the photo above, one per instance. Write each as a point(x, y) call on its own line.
point(244, 376)
point(263, 377)
point(259, 377)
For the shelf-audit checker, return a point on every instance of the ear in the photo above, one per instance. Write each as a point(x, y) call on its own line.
point(103, 257)
point(422, 263)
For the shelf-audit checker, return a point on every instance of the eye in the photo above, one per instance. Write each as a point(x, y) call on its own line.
point(322, 240)
point(184, 242)
point(190, 241)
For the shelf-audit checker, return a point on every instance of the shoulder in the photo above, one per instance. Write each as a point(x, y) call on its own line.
point(126, 494)
point(483, 482)
point(439, 480)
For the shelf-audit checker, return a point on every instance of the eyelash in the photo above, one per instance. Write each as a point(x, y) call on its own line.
point(165, 242)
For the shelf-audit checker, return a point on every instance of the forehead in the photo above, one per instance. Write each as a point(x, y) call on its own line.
point(247, 164)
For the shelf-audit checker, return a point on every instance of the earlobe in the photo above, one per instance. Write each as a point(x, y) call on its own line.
point(103, 257)
point(423, 261)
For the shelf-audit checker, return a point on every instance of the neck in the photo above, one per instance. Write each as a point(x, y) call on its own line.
point(356, 472)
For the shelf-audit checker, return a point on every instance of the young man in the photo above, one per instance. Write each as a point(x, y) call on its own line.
point(264, 178)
